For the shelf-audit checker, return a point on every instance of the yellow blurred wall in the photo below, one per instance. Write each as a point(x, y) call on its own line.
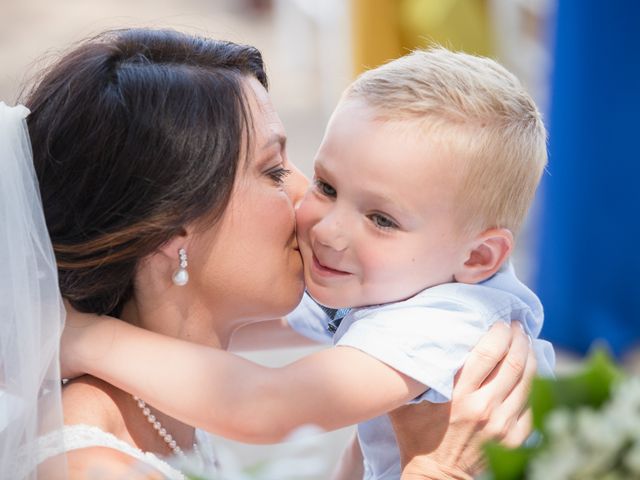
point(386, 29)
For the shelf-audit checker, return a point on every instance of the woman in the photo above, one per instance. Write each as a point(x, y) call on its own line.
point(155, 150)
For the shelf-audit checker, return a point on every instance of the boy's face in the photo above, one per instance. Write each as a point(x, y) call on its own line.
point(377, 224)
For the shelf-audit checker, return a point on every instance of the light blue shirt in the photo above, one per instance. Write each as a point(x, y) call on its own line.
point(426, 337)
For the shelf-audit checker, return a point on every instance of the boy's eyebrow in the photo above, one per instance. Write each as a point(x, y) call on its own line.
point(317, 165)
point(386, 200)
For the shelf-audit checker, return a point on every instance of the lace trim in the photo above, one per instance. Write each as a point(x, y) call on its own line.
point(80, 436)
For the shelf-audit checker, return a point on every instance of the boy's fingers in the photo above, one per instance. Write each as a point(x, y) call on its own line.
point(484, 358)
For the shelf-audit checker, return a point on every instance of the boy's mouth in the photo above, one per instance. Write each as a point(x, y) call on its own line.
point(326, 271)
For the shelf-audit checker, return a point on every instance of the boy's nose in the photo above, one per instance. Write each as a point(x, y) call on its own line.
point(330, 233)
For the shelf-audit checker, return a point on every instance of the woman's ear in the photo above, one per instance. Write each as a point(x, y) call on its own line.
point(172, 248)
point(157, 268)
point(486, 255)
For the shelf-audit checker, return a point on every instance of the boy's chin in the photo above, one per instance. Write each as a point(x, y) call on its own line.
point(326, 296)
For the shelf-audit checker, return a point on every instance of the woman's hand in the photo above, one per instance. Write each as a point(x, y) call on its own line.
point(443, 441)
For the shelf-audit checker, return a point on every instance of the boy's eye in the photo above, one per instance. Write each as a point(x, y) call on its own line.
point(382, 221)
point(278, 174)
point(325, 189)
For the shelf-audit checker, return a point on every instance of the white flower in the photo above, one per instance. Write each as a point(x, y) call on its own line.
point(632, 459)
point(595, 431)
point(560, 424)
point(555, 464)
point(589, 444)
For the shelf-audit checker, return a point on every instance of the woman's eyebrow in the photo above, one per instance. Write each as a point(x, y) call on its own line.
point(275, 139)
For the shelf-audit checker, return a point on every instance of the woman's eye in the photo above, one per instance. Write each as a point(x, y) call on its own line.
point(325, 189)
point(278, 174)
point(382, 221)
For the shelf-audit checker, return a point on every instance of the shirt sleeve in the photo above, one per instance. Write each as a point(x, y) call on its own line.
point(309, 320)
point(427, 340)
point(545, 357)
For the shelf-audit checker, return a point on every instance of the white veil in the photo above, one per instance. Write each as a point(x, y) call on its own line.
point(31, 311)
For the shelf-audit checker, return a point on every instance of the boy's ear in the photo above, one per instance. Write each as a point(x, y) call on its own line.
point(486, 255)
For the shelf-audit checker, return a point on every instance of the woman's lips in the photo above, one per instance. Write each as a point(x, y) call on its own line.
point(327, 271)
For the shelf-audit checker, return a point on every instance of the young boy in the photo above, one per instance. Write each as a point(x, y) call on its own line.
point(427, 169)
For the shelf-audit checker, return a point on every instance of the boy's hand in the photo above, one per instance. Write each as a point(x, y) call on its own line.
point(76, 341)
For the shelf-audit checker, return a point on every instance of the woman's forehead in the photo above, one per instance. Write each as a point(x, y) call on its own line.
point(268, 130)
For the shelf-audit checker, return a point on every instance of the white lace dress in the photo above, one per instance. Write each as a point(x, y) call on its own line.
point(83, 436)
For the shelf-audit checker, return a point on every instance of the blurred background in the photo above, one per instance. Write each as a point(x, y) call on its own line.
point(579, 59)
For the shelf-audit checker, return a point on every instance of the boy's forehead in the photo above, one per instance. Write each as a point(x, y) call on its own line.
point(414, 144)
point(388, 161)
point(352, 113)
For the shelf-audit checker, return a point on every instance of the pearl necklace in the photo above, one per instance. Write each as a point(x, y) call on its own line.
point(166, 436)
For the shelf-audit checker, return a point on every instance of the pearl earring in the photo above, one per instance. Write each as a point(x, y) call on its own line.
point(181, 276)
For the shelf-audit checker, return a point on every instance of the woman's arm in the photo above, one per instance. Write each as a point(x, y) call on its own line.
point(443, 441)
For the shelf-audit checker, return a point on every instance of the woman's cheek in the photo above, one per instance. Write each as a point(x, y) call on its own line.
point(307, 215)
point(275, 210)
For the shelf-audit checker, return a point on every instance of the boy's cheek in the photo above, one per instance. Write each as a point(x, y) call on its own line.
point(304, 218)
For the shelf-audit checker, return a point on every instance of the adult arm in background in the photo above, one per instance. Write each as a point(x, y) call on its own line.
point(350, 464)
point(444, 440)
point(267, 335)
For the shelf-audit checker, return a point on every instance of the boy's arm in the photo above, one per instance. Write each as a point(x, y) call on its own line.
point(235, 398)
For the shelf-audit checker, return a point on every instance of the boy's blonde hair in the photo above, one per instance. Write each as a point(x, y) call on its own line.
point(484, 117)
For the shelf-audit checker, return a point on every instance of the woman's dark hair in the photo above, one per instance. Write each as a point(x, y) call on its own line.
point(135, 134)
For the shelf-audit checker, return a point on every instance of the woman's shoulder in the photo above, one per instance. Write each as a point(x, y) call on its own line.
point(94, 431)
point(91, 401)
